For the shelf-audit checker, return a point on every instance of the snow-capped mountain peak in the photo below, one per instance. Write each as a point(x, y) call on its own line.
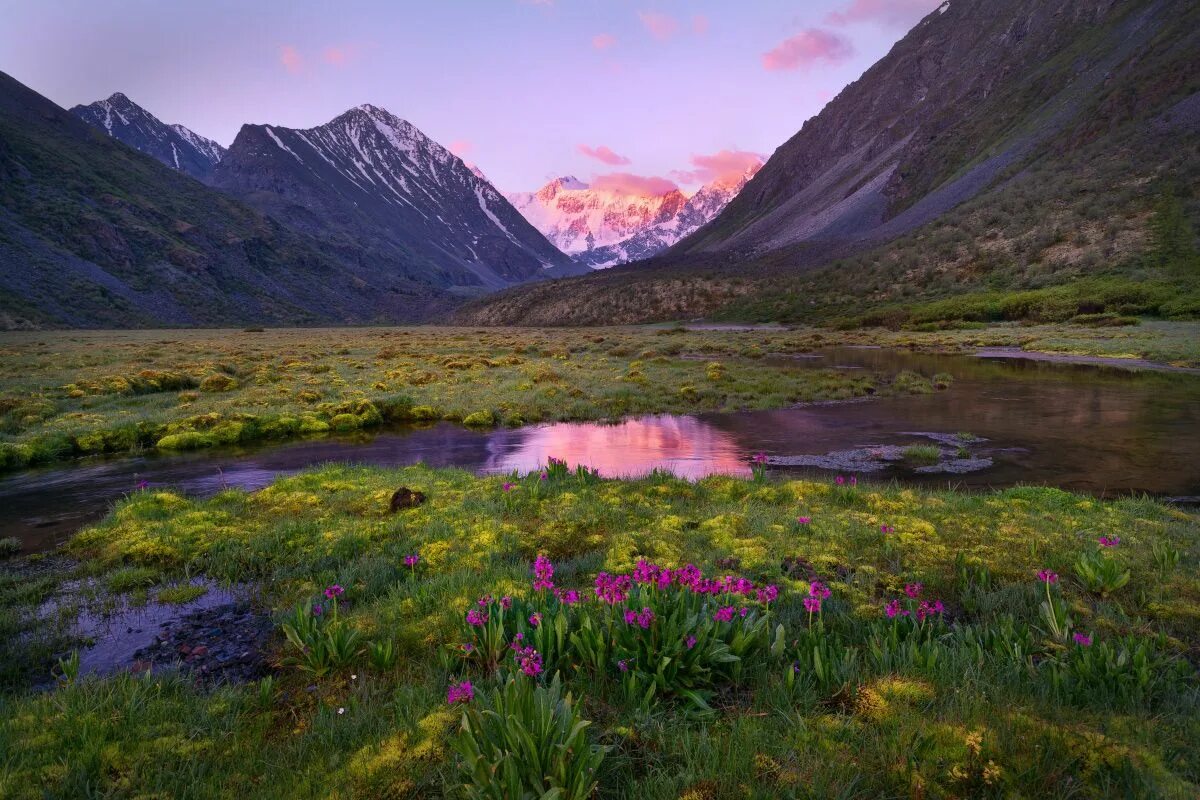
point(370, 176)
point(174, 145)
point(578, 217)
point(609, 223)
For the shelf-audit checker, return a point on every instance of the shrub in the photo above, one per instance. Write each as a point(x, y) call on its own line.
point(322, 641)
point(218, 382)
point(1100, 573)
point(480, 419)
point(188, 440)
point(524, 740)
point(9, 546)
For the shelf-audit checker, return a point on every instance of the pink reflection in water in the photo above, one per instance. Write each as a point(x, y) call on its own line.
point(683, 445)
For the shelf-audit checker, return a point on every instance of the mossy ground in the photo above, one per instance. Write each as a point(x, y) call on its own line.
point(964, 726)
point(64, 395)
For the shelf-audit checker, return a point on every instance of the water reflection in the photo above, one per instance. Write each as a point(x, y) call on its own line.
point(687, 446)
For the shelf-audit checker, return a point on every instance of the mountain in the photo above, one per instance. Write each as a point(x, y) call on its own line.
point(372, 184)
point(579, 218)
point(700, 208)
point(1000, 146)
point(96, 234)
point(173, 145)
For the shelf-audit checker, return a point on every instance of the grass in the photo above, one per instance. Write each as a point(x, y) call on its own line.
point(923, 454)
point(66, 395)
point(985, 701)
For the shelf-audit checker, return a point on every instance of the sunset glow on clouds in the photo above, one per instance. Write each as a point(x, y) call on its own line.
point(723, 166)
point(808, 48)
point(661, 26)
point(519, 87)
point(627, 183)
point(604, 154)
point(289, 56)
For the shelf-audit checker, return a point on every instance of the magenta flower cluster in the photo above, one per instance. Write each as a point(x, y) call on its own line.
point(614, 589)
point(925, 608)
point(1047, 577)
point(528, 660)
point(1109, 541)
point(411, 560)
point(334, 591)
point(477, 618)
point(842, 481)
point(642, 618)
point(543, 574)
point(817, 593)
point(460, 693)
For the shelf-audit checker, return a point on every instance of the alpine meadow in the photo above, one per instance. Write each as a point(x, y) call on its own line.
point(555, 400)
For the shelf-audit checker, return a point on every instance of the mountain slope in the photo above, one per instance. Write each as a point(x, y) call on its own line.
point(96, 234)
point(173, 145)
point(1001, 145)
point(579, 218)
point(371, 183)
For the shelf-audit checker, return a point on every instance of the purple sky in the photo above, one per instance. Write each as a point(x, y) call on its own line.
point(672, 90)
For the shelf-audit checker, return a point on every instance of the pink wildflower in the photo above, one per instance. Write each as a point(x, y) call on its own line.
point(819, 590)
point(1083, 640)
point(461, 693)
point(724, 615)
point(913, 589)
point(1047, 577)
point(543, 572)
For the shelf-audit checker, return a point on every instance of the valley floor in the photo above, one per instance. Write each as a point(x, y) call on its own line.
point(80, 393)
point(889, 642)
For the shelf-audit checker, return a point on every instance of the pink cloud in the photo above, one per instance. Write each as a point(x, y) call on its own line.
point(700, 24)
point(807, 48)
point(337, 56)
point(661, 26)
point(725, 166)
point(461, 147)
point(291, 59)
point(626, 183)
point(603, 41)
point(605, 154)
point(884, 12)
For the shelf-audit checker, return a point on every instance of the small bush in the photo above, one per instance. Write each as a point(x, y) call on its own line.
point(524, 740)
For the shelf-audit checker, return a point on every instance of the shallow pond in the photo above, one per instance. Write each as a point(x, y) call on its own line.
point(1098, 429)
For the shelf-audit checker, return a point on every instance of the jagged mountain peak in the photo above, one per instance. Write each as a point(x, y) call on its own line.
point(174, 145)
point(371, 177)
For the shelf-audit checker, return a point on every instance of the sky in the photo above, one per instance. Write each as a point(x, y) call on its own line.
point(643, 93)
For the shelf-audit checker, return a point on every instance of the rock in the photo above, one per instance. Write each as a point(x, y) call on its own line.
point(200, 651)
point(406, 498)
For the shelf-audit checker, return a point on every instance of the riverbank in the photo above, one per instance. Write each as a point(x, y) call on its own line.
point(69, 394)
point(65, 395)
point(895, 690)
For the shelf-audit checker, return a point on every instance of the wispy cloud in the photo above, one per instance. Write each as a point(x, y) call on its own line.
point(291, 59)
point(627, 183)
point(899, 13)
point(604, 154)
point(661, 26)
point(807, 48)
point(603, 41)
point(461, 147)
point(700, 24)
point(339, 55)
point(722, 166)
